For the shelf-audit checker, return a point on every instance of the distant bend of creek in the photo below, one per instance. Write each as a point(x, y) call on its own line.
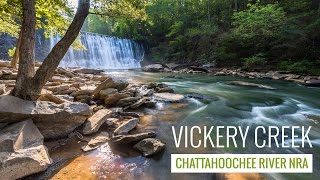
point(226, 105)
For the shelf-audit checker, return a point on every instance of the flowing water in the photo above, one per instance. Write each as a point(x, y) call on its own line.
point(103, 52)
point(290, 104)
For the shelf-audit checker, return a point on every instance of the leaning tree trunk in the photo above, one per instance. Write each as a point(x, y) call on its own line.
point(26, 51)
point(30, 89)
point(15, 58)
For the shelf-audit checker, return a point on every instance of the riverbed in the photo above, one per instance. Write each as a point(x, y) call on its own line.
point(221, 105)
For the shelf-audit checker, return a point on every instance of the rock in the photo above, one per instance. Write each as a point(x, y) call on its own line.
point(149, 146)
point(128, 139)
point(96, 142)
point(53, 120)
point(132, 114)
point(138, 103)
point(150, 104)
point(65, 72)
point(164, 90)
point(144, 91)
point(202, 97)
point(4, 63)
point(51, 98)
point(126, 127)
point(2, 89)
point(22, 152)
point(88, 71)
point(242, 83)
point(111, 121)
point(153, 68)
point(114, 98)
point(82, 92)
point(88, 88)
point(106, 92)
point(12, 76)
point(168, 97)
point(66, 98)
point(127, 101)
point(312, 83)
point(111, 83)
point(58, 88)
point(59, 79)
point(93, 124)
point(116, 110)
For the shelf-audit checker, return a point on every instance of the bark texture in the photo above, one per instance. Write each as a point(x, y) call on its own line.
point(26, 51)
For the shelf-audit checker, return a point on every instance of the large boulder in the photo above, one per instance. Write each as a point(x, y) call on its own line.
point(112, 99)
point(93, 124)
point(22, 152)
point(154, 68)
point(111, 83)
point(149, 146)
point(53, 120)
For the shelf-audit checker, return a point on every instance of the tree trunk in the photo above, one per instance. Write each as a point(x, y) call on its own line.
point(26, 51)
point(33, 86)
point(15, 58)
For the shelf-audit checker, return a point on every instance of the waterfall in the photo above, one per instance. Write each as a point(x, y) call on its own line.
point(103, 52)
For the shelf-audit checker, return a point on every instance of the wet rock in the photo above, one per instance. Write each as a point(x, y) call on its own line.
point(164, 90)
point(106, 92)
point(22, 151)
point(51, 98)
point(149, 146)
point(312, 83)
point(114, 98)
point(93, 124)
point(168, 97)
point(127, 101)
point(53, 120)
point(2, 89)
point(153, 68)
point(128, 139)
point(88, 71)
point(96, 142)
point(150, 104)
point(111, 83)
point(202, 97)
point(242, 83)
point(126, 127)
point(144, 91)
point(138, 103)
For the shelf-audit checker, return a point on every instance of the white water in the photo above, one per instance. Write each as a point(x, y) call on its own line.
point(103, 52)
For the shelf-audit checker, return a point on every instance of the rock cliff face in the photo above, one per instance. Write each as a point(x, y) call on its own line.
point(7, 42)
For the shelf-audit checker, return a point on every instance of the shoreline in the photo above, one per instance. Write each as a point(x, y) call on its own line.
point(307, 80)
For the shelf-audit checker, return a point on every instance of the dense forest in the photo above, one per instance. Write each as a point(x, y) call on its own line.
point(254, 35)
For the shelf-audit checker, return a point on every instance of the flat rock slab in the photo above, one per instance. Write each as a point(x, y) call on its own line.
point(149, 146)
point(128, 139)
point(93, 124)
point(22, 152)
point(168, 97)
point(53, 120)
point(127, 126)
point(248, 84)
point(96, 142)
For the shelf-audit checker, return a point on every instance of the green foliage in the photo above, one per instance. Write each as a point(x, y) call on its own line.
point(302, 67)
point(259, 21)
point(255, 62)
point(11, 51)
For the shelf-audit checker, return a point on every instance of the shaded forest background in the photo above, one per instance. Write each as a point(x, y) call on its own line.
point(255, 35)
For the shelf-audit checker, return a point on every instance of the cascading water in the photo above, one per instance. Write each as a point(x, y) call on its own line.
point(103, 52)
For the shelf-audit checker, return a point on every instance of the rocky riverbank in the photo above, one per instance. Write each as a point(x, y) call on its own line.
point(311, 81)
point(81, 103)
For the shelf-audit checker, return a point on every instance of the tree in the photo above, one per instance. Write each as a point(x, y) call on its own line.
point(29, 84)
